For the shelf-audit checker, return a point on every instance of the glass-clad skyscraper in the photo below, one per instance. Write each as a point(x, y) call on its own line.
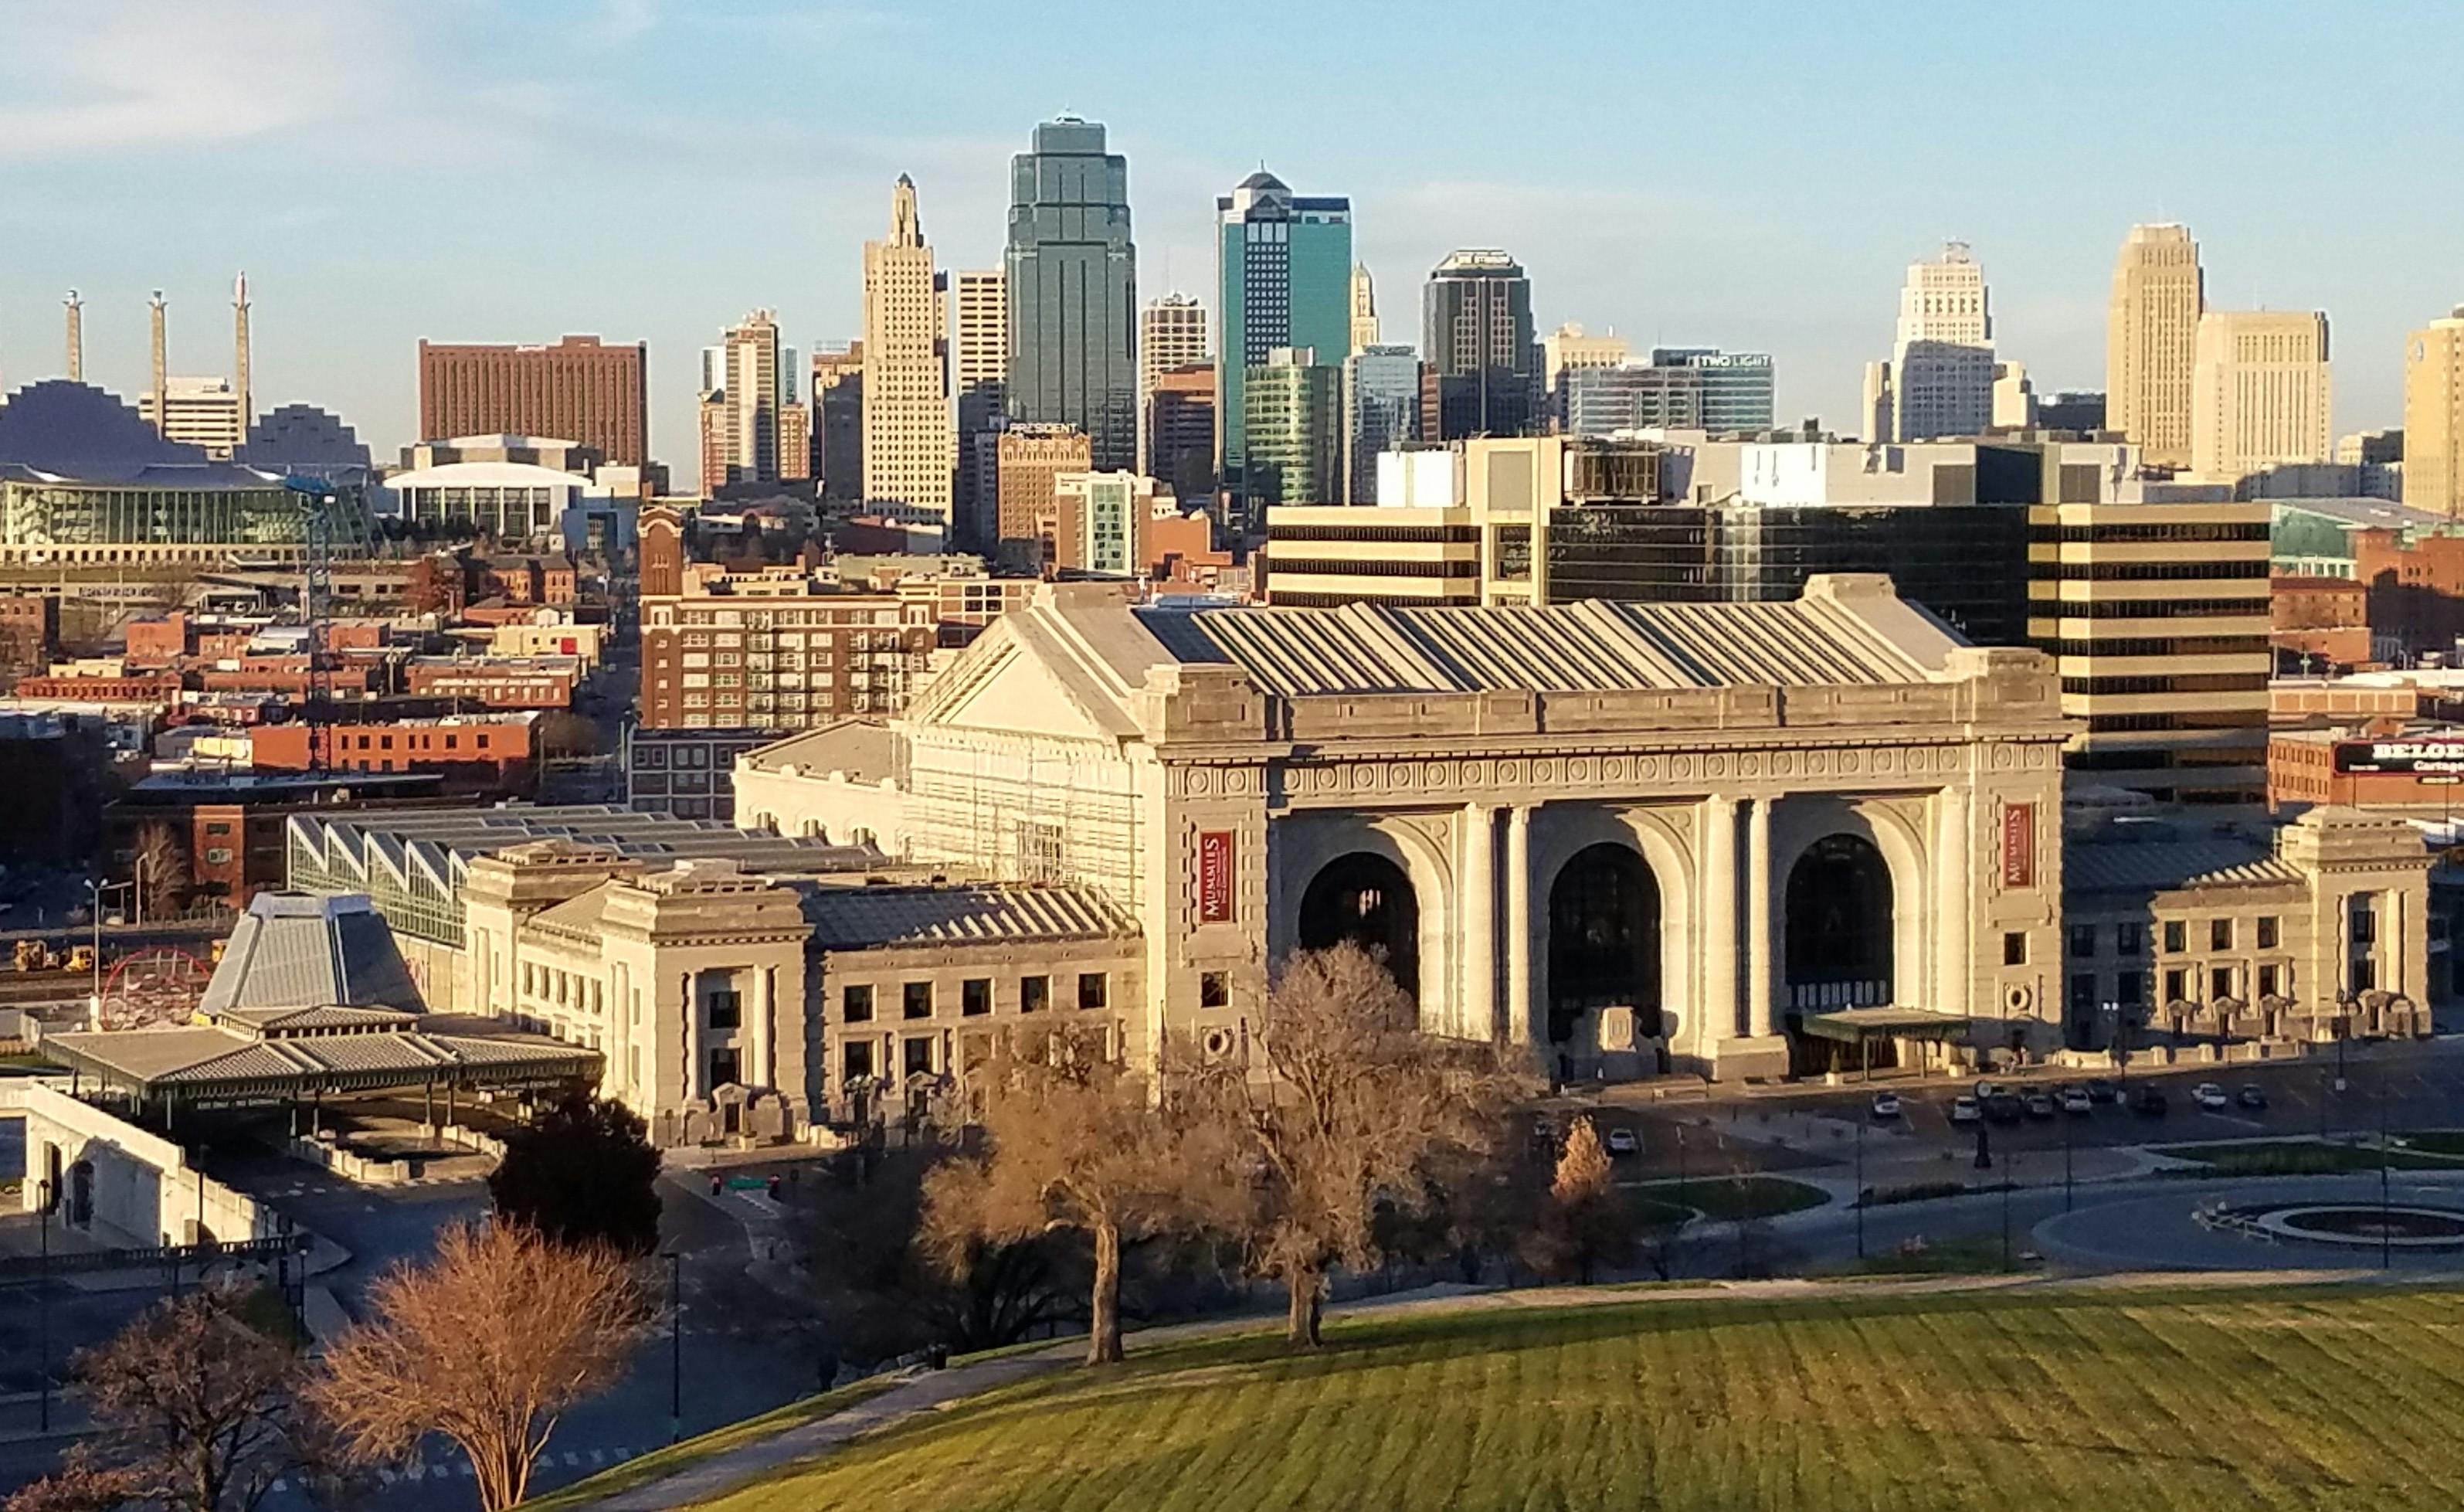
point(1737, 386)
point(1073, 291)
point(1480, 367)
point(1283, 281)
point(1381, 411)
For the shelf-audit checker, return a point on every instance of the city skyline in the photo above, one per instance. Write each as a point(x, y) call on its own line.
point(151, 116)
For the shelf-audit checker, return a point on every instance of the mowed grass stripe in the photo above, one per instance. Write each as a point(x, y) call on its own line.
point(2177, 1398)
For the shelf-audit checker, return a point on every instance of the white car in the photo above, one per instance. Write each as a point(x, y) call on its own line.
point(2074, 1100)
point(1965, 1109)
point(1623, 1142)
point(2211, 1097)
point(1886, 1104)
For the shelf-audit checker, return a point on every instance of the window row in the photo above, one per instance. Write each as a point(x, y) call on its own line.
point(916, 999)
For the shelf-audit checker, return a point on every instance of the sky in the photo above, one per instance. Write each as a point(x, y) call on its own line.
point(1754, 174)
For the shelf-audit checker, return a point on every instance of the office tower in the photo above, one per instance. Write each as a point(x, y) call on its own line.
point(909, 440)
point(1479, 368)
point(1031, 459)
point(75, 336)
point(2433, 445)
point(198, 412)
point(1602, 401)
point(2071, 409)
point(1171, 334)
point(1364, 309)
point(1738, 388)
point(2014, 397)
point(741, 411)
point(983, 374)
point(1074, 290)
point(1284, 281)
point(838, 428)
point(2259, 392)
point(2151, 342)
point(577, 391)
point(1382, 412)
point(239, 354)
point(1569, 348)
point(1100, 521)
point(1293, 431)
point(1940, 379)
point(1180, 433)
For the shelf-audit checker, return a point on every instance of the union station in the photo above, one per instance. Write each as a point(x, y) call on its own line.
point(1738, 839)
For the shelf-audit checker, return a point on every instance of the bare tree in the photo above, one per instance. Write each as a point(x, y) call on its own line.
point(161, 868)
point(196, 1407)
point(487, 1343)
point(1076, 1141)
point(1364, 1113)
point(1588, 1223)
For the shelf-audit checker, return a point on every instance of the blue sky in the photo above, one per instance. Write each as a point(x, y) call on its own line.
point(1755, 175)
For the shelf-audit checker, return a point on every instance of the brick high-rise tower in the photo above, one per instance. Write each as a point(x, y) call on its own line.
point(578, 390)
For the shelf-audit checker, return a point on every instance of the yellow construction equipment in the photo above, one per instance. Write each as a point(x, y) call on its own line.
point(81, 959)
point(33, 955)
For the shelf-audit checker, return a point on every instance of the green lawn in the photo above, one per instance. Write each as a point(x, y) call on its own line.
point(589, 1490)
point(2146, 1399)
point(2435, 1141)
point(1721, 1199)
point(2298, 1158)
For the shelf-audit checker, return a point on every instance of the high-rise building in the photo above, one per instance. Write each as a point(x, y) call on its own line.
point(1074, 290)
point(1480, 370)
point(1180, 431)
point(1569, 348)
point(1284, 281)
point(2151, 342)
point(2014, 397)
point(1171, 334)
point(1295, 431)
point(1939, 382)
point(1739, 390)
point(983, 374)
point(2433, 447)
point(910, 442)
point(838, 421)
point(747, 380)
point(2259, 392)
point(1031, 459)
point(1633, 396)
point(197, 412)
point(1364, 309)
point(1100, 521)
point(578, 390)
point(1382, 412)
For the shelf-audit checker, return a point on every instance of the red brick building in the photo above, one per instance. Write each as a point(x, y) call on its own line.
point(495, 682)
point(578, 390)
point(2416, 592)
point(2320, 623)
point(30, 631)
point(161, 689)
point(2418, 768)
point(472, 753)
point(786, 661)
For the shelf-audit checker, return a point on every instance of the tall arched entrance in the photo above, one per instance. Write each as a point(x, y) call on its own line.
point(1366, 898)
point(1838, 942)
point(1603, 941)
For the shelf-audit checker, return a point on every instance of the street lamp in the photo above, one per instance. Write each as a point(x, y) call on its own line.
point(1860, 1189)
point(675, 1345)
point(48, 1198)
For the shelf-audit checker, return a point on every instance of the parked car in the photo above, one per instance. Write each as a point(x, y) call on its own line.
point(2078, 1102)
point(1988, 1089)
point(2100, 1090)
point(2253, 1096)
point(2002, 1107)
point(2211, 1097)
point(2041, 1104)
point(2148, 1102)
point(1622, 1140)
point(1886, 1104)
point(1965, 1109)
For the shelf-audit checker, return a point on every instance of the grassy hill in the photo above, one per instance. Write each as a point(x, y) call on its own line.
point(2204, 1399)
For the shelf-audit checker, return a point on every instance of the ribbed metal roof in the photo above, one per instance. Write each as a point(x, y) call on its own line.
point(2158, 865)
point(293, 952)
point(853, 919)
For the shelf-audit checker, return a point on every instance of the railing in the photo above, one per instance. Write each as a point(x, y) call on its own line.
point(155, 1256)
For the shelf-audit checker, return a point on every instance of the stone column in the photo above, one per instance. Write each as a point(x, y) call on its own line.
point(765, 1026)
point(1518, 924)
point(1476, 918)
point(1954, 911)
point(1718, 890)
point(1759, 944)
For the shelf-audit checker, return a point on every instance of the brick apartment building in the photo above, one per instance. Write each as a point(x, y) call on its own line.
point(473, 754)
point(495, 682)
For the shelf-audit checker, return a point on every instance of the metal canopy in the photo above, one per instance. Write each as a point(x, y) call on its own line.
point(1857, 1025)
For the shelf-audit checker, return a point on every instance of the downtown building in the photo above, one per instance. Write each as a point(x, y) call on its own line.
point(1072, 283)
point(1284, 284)
point(2151, 342)
point(2261, 394)
point(578, 390)
point(1171, 336)
point(980, 377)
point(910, 441)
point(2434, 417)
point(1939, 381)
point(1480, 367)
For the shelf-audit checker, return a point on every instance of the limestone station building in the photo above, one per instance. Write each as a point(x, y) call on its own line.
point(1724, 837)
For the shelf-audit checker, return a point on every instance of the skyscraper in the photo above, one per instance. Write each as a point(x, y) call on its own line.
point(1074, 290)
point(1180, 431)
point(1381, 411)
point(1738, 388)
point(1284, 280)
point(746, 379)
point(1940, 379)
point(578, 390)
point(2433, 417)
point(2259, 392)
point(1295, 431)
point(1479, 366)
point(2151, 341)
point(1364, 309)
point(1031, 458)
point(910, 444)
point(838, 421)
point(983, 376)
point(1171, 334)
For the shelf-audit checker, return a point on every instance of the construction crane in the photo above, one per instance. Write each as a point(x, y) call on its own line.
point(317, 539)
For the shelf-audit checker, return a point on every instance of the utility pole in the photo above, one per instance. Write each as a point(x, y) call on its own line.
point(675, 1345)
point(1860, 1189)
point(49, 1197)
point(2387, 1240)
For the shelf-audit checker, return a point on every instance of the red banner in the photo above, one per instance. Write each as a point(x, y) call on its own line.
point(1214, 868)
point(2020, 845)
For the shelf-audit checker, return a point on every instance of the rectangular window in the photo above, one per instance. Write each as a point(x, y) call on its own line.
point(2177, 937)
point(2220, 983)
point(855, 1003)
point(2365, 924)
point(1034, 994)
point(724, 1066)
point(2082, 941)
point(2083, 993)
point(919, 999)
point(2014, 947)
point(2219, 934)
point(855, 1060)
point(917, 1057)
point(2366, 974)
point(1091, 988)
point(2267, 978)
point(2177, 986)
point(1215, 990)
point(219, 855)
point(2129, 939)
point(726, 1009)
point(2267, 931)
point(975, 996)
point(2130, 987)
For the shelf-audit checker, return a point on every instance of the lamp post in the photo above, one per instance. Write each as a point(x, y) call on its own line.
point(2066, 1160)
point(675, 1345)
point(1860, 1189)
point(2009, 1179)
point(2386, 1241)
point(47, 1196)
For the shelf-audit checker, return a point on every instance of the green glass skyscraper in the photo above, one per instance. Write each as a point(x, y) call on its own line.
point(1282, 282)
point(1073, 291)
